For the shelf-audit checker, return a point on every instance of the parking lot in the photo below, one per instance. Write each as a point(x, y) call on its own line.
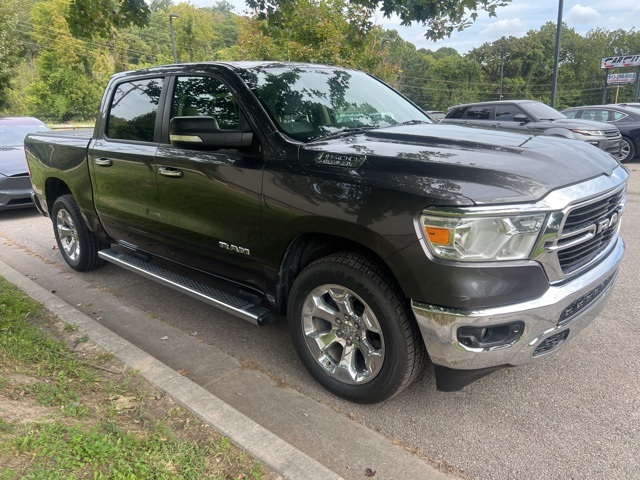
point(573, 415)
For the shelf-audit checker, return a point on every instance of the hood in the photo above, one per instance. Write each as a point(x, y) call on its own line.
point(459, 166)
point(570, 123)
point(13, 161)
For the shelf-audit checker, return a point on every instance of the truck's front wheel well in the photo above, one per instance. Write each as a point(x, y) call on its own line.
point(306, 249)
point(54, 189)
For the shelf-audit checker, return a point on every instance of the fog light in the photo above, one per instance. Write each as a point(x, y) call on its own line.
point(490, 336)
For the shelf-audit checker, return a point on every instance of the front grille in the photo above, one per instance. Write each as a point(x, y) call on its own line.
point(611, 133)
point(598, 222)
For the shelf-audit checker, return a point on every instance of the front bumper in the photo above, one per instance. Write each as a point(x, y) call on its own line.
point(549, 321)
point(15, 192)
point(611, 145)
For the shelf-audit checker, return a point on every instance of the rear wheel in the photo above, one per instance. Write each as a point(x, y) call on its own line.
point(627, 150)
point(352, 331)
point(78, 245)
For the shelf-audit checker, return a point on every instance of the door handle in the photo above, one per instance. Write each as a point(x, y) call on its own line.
point(170, 172)
point(103, 162)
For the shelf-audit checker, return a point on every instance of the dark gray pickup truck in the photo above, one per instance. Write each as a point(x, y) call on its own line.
point(320, 194)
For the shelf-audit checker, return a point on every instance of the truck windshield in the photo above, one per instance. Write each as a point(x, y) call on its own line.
point(309, 103)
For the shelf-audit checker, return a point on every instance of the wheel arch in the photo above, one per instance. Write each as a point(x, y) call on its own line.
point(56, 187)
point(305, 249)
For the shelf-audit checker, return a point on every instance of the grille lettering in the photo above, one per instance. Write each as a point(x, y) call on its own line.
point(605, 223)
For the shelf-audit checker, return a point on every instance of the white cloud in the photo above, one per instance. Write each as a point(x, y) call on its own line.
point(583, 15)
point(506, 27)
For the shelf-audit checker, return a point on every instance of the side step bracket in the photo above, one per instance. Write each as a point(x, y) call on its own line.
point(221, 300)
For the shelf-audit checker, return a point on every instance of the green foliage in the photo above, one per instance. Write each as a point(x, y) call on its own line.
point(454, 79)
point(25, 344)
point(441, 19)
point(332, 32)
point(71, 73)
point(14, 51)
point(198, 34)
point(107, 451)
point(101, 18)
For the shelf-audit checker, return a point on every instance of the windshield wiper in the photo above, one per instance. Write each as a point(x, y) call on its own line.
point(344, 132)
point(412, 122)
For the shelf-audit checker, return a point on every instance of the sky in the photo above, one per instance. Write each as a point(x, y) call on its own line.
point(516, 19)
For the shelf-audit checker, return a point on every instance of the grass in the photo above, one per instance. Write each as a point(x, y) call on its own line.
point(70, 411)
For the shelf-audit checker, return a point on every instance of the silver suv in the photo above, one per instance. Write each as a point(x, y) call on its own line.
point(535, 118)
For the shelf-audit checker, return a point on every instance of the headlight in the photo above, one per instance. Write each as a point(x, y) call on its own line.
point(589, 133)
point(481, 238)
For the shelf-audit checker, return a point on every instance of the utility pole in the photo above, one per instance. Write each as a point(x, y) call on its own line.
point(501, 72)
point(556, 65)
point(173, 39)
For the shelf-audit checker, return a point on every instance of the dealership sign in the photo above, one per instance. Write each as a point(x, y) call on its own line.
point(621, 78)
point(625, 61)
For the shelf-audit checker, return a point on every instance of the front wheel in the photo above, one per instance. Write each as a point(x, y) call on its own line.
point(351, 329)
point(78, 245)
point(627, 150)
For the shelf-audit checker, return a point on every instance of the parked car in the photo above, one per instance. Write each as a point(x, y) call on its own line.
point(529, 116)
point(436, 115)
point(15, 184)
point(626, 119)
point(634, 105)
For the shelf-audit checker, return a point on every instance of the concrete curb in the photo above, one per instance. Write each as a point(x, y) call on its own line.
point(270, 449)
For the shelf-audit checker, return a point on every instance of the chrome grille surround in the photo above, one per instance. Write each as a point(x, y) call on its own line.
point(582, 231)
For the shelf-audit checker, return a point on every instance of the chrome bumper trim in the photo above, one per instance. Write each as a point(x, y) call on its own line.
point(541, 316)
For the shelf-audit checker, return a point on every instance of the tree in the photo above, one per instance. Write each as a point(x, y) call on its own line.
point(14, 48)
point(441, 19)
point(101, 18)
point(333, 32)
point(89, 18)
point(72, 73)
point(453, 79)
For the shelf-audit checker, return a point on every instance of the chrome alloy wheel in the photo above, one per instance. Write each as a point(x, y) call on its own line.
point(343, 335)
point(68, 234)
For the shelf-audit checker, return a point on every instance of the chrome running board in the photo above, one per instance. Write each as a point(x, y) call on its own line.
point(221, 300)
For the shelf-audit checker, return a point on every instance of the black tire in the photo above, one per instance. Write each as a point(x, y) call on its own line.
point(78, 245)
point(346, 304)
point(627, 150)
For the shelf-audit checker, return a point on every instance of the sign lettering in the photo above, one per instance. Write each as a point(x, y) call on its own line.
point(624, 61)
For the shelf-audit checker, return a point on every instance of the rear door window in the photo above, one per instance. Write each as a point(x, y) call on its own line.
point(480, 112)
point(132, 114)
